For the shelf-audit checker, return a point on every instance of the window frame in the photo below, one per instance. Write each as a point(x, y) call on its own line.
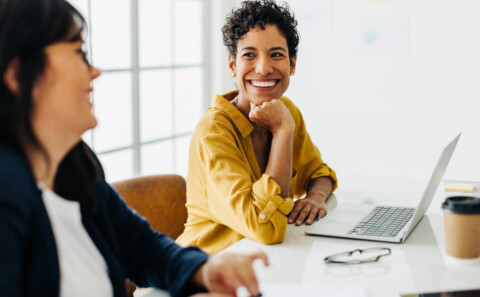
point(135, 71)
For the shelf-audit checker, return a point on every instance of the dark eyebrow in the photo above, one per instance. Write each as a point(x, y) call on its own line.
point(278, 48)
point(250, 48)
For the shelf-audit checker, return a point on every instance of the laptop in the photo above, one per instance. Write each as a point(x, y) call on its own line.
point(381, 223)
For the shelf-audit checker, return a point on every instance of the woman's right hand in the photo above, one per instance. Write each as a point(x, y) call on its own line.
point(225, 272)
point(211, 295)
point(273, 116)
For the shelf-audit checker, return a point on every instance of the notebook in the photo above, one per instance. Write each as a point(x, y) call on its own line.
point(381, 223)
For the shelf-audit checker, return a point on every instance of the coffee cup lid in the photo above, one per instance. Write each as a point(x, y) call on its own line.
point(462, 204)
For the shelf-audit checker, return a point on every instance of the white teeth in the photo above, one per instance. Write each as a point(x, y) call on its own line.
point(263, 84)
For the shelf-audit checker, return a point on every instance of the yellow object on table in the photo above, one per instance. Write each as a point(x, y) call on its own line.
point(464, 188)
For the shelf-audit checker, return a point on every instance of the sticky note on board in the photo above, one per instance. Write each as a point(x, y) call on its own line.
point(464, 188)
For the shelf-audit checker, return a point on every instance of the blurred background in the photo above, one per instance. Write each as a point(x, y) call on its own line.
point(383, 85)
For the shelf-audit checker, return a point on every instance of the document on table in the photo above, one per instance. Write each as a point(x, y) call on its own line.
point(386, 277)
point(294, 290)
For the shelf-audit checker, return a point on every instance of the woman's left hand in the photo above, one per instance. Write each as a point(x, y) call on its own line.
point(224, 273)
point(308, 209)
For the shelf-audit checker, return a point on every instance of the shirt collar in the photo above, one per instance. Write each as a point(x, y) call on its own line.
point(222, 102)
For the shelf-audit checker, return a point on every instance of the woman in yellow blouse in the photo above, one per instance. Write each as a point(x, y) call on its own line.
point(250, 153)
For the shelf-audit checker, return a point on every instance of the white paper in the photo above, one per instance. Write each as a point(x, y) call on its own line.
point(289, 290)
point(380, 277)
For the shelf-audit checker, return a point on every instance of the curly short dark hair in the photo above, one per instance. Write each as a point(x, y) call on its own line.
point(260, 13)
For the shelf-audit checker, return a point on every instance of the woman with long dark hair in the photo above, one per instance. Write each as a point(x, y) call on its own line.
point(63, 230)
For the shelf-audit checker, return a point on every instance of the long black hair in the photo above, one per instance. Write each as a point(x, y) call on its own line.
point(26, 28)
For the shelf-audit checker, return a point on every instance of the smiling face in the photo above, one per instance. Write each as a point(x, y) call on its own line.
point(262, 66)
point(62, 94)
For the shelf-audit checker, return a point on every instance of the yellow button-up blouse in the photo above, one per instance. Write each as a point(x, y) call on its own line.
point(228, 198)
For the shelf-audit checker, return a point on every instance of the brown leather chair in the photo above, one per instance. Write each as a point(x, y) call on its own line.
point(160, 199)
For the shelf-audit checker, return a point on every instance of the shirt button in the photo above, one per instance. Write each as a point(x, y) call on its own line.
point(263, 216)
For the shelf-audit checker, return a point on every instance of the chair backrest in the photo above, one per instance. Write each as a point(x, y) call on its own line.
point(159, 198)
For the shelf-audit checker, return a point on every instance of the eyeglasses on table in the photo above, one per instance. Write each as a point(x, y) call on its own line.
point(358, 256)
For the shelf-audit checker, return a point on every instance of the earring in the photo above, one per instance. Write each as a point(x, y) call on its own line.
point(292, 73)
point(232, 74)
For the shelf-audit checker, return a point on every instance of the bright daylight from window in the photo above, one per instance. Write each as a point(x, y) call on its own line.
point(151, 92)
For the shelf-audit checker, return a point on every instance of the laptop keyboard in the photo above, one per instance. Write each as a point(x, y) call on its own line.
point(384, 221)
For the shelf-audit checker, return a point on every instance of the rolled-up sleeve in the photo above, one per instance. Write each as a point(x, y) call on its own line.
point(267, 187)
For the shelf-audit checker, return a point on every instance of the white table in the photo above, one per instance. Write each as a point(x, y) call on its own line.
point(418, 265)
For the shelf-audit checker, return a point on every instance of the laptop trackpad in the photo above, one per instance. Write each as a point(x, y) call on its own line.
point(340, 220)
point(348, 213)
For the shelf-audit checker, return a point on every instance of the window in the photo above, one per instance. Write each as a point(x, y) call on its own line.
point(151, 92)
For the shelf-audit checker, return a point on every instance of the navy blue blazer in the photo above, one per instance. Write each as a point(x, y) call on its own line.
point(28, 256)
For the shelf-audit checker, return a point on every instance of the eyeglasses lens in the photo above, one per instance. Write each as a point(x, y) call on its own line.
point(361, 256)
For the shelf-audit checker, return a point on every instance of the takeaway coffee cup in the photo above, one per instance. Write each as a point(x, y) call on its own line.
point(462, 227)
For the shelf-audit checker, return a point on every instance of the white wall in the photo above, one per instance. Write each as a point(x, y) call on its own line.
point(221, 81)
point(389, 107)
